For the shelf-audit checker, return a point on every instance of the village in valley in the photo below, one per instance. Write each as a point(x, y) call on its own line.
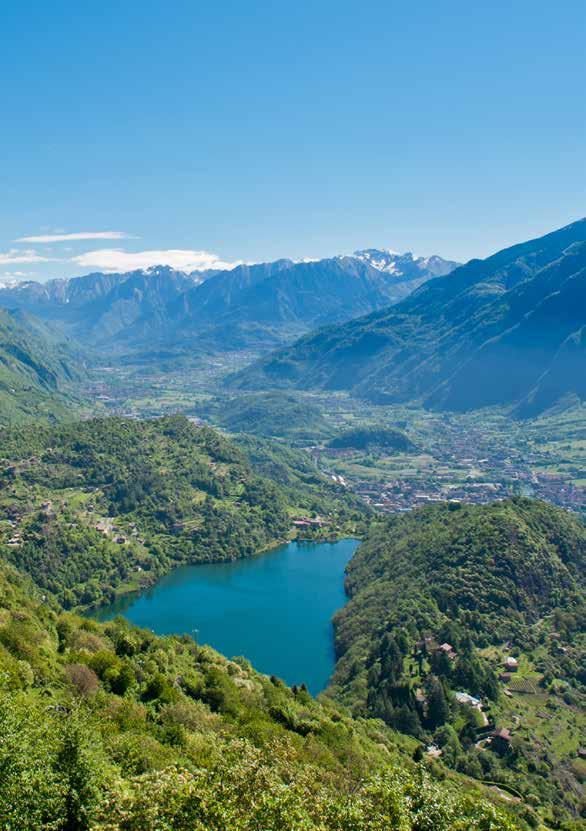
point(436, 480)
point(492, 458)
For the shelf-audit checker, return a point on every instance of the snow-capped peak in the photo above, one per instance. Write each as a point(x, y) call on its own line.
point(404, 265)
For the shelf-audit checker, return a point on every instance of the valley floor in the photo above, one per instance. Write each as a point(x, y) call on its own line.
point(473, 457)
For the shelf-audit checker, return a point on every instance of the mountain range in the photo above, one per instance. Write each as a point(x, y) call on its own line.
point(266, 304)
point(507, 330)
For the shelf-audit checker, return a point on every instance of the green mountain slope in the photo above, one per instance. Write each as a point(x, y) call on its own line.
point(109, 505)
point(493, 333)
point(492, 581)
point(109, 727)
point(278, 414)
point(37, 369)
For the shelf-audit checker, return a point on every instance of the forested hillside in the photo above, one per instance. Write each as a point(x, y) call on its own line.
point(507, 330)
point(38, 370)
point(101, 506)
point(361, 438)
point(108, 727)
point(464, 620)
point(280, 414)
point(439, 599)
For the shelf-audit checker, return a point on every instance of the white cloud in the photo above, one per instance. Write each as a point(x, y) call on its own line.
point(15, 255)
point(59, 236)
point(114, 259)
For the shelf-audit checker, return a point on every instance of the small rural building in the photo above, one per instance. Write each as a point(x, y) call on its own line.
point(501, 740)
point(427, 646)
point(466, 698)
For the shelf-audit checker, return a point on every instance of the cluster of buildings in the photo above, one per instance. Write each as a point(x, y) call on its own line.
point(305, 522)
point(17, 514)
point(106, 528)
point(555, 488)
point(460, 466)
point(400, 495)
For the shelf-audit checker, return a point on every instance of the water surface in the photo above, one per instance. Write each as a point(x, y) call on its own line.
point(275, 609)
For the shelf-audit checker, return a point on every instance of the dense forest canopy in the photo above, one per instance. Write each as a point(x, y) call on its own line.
point(440, 600)
point(112, 504)
point(362, 438)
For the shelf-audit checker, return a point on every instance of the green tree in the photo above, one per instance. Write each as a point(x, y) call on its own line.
point(80, 770)
point(438, 708)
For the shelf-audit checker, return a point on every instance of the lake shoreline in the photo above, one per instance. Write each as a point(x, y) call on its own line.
point(274, 609)
point(121, 592)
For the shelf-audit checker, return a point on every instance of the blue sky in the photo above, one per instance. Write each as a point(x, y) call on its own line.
point(250, 131)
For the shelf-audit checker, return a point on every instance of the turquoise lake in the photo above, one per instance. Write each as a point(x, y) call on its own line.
point(275, 609)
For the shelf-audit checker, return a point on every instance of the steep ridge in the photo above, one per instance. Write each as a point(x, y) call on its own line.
point(303, 297)
point(406, 266)
point(38, 369)
point(100, 307)
point(536, 320)
point(484, 336)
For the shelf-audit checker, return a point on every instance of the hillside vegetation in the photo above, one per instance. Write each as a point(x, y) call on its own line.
point(110, 728)
point(38, 370)
point(109, 505)
point(143, 732)
point(439, 598)
point(361, 438)
point(507, 330)
point(278, 414)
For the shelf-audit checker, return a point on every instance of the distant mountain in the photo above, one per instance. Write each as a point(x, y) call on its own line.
point(38, 369)
point(98, 307)
point(406, 266)
point(260, 305)
point(508, 330)
point(284, 302)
